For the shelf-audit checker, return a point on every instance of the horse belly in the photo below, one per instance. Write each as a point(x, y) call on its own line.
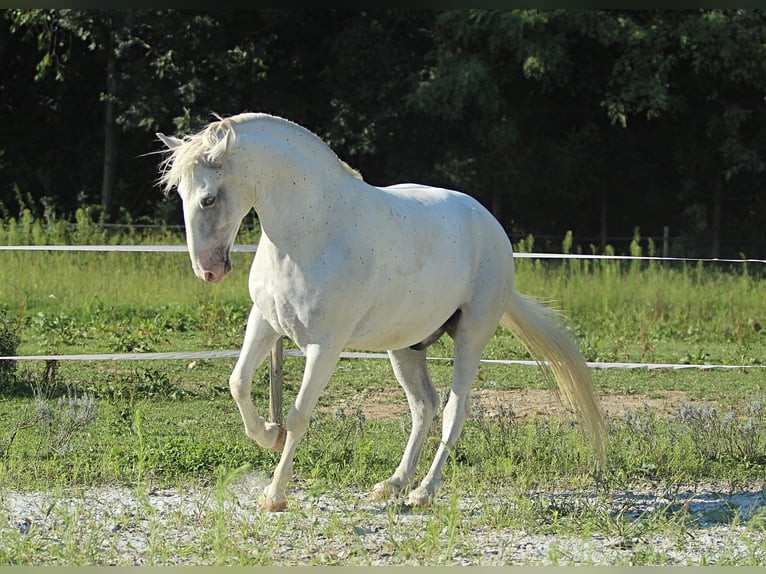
point(405, 315)
point(394, 333)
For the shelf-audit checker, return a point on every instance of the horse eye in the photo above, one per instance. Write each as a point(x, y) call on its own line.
point(207, 201)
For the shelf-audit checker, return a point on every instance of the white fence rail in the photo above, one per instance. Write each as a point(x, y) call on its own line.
point(233, 354)
point(251, 248)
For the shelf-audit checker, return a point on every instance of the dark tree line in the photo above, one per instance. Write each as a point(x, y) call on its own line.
point(598, 121)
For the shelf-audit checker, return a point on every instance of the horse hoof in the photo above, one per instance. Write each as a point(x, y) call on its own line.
point(382, 491)
point(419, 497)
point(281, 437)
point(272, 505)
point(386, 490)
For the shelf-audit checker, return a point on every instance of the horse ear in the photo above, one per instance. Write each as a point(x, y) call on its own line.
point(170, 141)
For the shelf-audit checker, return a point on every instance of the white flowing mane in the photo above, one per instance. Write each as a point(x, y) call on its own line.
point(209, 145)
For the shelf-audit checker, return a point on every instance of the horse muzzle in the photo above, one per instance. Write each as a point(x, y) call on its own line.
point(212, 269)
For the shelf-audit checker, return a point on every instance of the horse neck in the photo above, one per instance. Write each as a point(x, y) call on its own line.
point(298, 184)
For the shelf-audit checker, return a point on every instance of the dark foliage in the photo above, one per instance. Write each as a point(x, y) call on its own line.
point(595, 121)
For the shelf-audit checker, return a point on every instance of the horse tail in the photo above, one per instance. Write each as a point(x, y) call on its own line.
point(537, 327)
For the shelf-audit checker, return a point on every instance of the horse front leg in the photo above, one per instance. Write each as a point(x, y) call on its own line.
point(259, 339)
point(320, 364)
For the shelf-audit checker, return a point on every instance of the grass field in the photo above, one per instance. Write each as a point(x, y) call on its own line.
point(170, 423)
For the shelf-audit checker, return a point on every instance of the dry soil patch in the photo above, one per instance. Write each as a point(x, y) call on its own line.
point(391, 404)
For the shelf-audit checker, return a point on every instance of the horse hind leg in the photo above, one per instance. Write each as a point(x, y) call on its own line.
point(412, 373)
point(469, 346)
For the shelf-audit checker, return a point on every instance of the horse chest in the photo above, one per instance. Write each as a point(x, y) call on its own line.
point(299, 305)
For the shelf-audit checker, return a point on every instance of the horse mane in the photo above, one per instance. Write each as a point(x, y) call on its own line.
point(209, 145)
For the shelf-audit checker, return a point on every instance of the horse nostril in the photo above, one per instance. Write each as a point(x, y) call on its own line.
point(209, 276)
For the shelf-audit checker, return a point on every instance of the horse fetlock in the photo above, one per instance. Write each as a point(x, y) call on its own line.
point(272, 438)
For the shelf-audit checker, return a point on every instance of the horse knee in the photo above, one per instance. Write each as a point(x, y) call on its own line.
point(239, 388)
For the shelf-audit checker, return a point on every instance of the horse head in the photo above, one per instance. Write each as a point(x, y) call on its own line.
point(213, 206)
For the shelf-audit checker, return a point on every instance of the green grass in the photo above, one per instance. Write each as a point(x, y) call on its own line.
point(146, 302)
point(617, 311)
point(149, 426)
point(171, 423)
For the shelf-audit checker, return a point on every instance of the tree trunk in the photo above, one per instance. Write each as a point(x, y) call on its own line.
point(602, 218)
point(5, 35)
point(110, 144)
point(715, 224)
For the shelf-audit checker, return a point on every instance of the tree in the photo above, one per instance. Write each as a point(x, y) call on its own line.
point(654, 110)
point(43, 150)
point(704, 73)
point(595, 121)
point(529, 128)
point(151, 62)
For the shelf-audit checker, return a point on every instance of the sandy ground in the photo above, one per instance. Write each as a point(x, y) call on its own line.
point(123, 526)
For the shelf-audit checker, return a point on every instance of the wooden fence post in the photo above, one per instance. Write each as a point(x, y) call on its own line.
point(275, 382)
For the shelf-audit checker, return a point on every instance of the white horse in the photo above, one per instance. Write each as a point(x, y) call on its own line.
point(343, 264)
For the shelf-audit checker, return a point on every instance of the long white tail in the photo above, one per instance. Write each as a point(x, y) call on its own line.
point(536, 326)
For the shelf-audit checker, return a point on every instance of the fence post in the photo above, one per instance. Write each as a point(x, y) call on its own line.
point(665, 241)
point(275, 382)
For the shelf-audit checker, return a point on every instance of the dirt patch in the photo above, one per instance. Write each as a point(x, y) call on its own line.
point(532, 402)
point(391, 404)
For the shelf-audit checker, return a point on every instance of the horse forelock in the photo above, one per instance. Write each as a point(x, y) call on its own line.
point(208, 146)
